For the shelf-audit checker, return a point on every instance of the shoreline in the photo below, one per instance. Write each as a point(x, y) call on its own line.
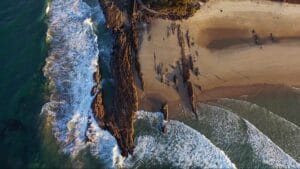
point(123, 20)
point(179, 70)
point(152, 102)
point(138, 78)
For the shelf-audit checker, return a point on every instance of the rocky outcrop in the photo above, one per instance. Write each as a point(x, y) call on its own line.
point(165, 110)
point(98, 108)
point(119, 120)
point(187, 65)
point(116, 18)
point(126, 95)
point(97, 105)
point(122, 18)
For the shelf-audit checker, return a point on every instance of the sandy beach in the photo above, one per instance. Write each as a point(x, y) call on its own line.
point(235, 48)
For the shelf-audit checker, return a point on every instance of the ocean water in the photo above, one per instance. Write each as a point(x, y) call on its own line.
point(49, 51)
point(26, 140)
point(22, 54)
point(70, 65)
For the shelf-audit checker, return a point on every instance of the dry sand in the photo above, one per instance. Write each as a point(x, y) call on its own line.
point(224, 52)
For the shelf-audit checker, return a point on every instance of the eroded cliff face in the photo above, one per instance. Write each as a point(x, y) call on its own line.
point(126, 94)
point(123, 18)
point(187, 68)
point(119, 120)
point(97, 105)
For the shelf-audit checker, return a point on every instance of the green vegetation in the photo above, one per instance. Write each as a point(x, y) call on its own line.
point(179, 8)
point(168, 3)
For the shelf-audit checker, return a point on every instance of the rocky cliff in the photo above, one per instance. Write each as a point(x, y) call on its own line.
point(122, 19)
point(119, 120)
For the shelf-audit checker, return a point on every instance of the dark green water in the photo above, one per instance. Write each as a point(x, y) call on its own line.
point(22, 86)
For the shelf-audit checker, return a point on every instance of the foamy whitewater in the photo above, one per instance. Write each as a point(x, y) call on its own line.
point(73, 58)
point(284, 133)
point(180, 147)
point(267, 151)
point(228, 129)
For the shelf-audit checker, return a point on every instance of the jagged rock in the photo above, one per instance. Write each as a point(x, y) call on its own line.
point(115, 17)
point(122, 19)
point(165, 110)
point(164, 129)
point(96, 76)
point(94, 90)
point(187, 65)
point(98, 108)
point(119, 122)
point(126, 94)
point(190, 90)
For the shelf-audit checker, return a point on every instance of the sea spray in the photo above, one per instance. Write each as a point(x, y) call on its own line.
point(242, 141)
point(282, 132)
point(180, 147)
point(267, 151)
point(69, 68)
point(72, 60)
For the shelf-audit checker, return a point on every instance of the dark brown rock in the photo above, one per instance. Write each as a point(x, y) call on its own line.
point(98, 109)
point(126, 94)
point(165, 110)
point(119, 121)
point(187, 65)
point(94, 90)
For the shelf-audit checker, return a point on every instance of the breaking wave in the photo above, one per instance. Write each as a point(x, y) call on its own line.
point(72, 60)
point(241, 141)
point(281, 131)
point(180, 146)
point(267, 151)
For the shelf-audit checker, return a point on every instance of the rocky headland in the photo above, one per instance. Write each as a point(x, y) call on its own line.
point(123, 19)
point(118, 119)
point(168, 58)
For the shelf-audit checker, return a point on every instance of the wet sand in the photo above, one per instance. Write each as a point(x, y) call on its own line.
point(236, 48)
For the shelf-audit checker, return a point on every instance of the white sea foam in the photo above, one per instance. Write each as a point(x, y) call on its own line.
point(267, 151)
point(227, 125)
point(296, 89)
point(72, 60)
point(180, 147)
point(281, 131)
point(70, 66)
point(248, 106)
point(47, 7)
